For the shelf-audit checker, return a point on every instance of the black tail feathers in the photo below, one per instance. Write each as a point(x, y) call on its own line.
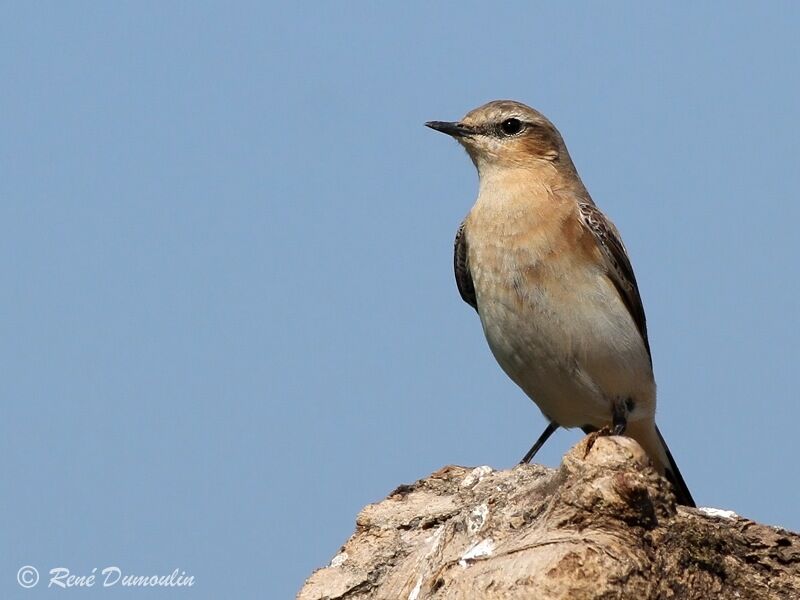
point(673, 475)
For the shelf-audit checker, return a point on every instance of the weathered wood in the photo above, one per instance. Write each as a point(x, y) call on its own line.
point(603, 525)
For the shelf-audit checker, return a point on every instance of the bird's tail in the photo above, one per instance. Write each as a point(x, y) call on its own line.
point(650, 438)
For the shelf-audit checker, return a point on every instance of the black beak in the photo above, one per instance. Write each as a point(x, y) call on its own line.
point(454, 129)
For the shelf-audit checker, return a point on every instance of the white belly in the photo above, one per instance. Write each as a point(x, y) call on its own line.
point(568, 342)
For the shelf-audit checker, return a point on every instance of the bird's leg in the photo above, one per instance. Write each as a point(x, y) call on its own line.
point(549, 430)
point(620, 416)
point(619, 422)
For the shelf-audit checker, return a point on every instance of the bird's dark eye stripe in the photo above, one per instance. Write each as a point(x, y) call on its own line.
point(495, 129)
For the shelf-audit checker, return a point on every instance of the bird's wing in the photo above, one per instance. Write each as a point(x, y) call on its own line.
point(461, 266)
point(617, 263)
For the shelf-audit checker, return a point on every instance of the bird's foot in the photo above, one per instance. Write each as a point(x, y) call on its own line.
point(592, 437)
point(549, 430)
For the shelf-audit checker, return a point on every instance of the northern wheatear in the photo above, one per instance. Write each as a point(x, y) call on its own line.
point(553, 285)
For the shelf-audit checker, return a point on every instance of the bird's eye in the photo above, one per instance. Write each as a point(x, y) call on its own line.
point(511, 126)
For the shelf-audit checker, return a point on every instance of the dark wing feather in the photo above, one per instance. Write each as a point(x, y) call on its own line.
point(461, 266)
point(619, 266)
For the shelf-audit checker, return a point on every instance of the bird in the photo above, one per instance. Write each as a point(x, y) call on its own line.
point(553, 285)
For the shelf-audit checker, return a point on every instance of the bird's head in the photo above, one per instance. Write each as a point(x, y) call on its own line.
point(506, 134)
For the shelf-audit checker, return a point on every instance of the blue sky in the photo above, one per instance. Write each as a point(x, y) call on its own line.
point(228, 315)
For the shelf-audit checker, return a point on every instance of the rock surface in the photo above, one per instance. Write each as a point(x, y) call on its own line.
point(603, 525)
